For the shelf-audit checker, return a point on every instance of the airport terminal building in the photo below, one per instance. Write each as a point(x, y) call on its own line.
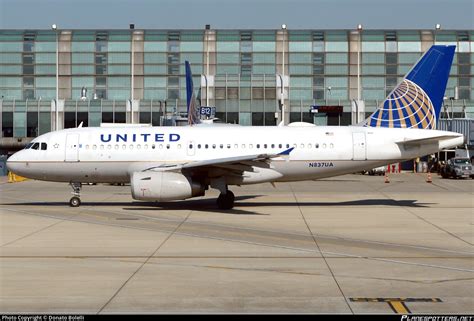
point(54, 79)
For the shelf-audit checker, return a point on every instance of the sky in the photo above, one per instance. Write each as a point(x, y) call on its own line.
point(236, 14)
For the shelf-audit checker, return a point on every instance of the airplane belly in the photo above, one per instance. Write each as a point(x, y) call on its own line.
point(82, 172)
point(307, 170)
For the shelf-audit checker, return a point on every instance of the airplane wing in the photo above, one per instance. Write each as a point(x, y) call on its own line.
point(240, 163)
point(427, 140)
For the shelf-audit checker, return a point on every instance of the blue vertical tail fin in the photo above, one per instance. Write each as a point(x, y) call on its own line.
point(416, 102)
point(193, 108)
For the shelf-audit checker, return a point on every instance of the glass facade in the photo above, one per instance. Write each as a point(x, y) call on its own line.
point(138, 75)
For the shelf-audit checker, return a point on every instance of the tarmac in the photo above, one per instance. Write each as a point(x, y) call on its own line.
point(350, 244)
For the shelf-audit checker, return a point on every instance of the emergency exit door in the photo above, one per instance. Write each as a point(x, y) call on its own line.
point(359, 146)
point(72, 148)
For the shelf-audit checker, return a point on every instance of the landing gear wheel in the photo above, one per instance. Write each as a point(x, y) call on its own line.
point(75, 201)
point(226, 201)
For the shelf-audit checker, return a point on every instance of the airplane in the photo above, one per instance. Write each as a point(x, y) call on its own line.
point(177, 163)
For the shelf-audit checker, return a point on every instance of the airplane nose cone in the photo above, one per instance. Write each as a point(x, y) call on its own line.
point(13, 164)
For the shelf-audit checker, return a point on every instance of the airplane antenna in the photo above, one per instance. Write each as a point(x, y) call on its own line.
point(80, 125)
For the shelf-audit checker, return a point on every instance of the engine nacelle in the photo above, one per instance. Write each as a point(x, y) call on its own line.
point(163, 186)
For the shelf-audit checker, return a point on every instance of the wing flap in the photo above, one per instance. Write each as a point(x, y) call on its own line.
point(244, 160)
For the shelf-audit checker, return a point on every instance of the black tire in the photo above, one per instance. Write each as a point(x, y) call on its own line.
point(75, 201)
point(226, 201)
point(443, 173)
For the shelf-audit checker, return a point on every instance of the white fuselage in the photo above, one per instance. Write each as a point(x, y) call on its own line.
point(113, 154)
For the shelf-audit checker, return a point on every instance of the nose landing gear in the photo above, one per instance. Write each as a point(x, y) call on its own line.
point(75, 201)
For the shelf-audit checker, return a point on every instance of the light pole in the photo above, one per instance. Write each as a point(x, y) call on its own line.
point(283, 28)
point(437, 28)
point(54, 27)
point(132, 61)
point(132, 80)
point(328, 98)
point(208, 27)
point(359, 31)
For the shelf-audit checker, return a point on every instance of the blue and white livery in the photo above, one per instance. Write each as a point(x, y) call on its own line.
point(175, 163)
point(416, 102)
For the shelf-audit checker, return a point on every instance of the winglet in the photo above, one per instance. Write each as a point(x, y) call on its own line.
point(286, 152)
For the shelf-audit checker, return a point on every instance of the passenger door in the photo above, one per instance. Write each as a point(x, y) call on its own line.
point(72, 148)
point(359, 146)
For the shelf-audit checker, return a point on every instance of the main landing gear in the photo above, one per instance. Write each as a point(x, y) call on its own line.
point(225, 201)
point(226, 198)
point(75, 201)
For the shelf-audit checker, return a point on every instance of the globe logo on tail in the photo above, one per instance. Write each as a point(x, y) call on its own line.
point(408, 106)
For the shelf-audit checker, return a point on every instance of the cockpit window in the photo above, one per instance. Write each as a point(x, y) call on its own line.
point(29, 146)
point(35, 146)
point(44, 146)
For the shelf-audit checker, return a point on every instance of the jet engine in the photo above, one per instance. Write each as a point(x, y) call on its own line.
point(164, 186)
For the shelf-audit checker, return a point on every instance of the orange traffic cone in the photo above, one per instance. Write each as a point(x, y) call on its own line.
point(429, 178)
point(386, 178)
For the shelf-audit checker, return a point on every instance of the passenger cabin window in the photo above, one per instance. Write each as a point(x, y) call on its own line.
point(44, 146)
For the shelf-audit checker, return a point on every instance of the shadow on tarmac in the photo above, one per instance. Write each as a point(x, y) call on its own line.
point(209, 205)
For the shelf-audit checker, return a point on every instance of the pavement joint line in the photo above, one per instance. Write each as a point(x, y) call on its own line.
point(336, 256)
point(439, 227)
point(90, 208)
point(45, 228)
point(30, 234)
point(420, 218)
point(190, 221)
point(447, 181)
point(321, 252)
point(266, 245)
point(428, 222)
point(144, 263)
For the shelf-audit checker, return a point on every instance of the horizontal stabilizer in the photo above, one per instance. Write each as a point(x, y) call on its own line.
point(428, 140)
